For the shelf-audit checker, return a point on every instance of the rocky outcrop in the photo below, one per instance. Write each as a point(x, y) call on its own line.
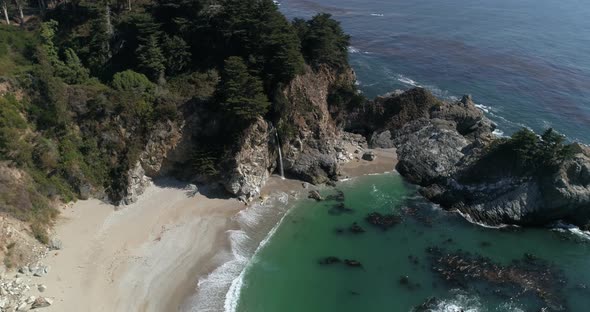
point(316, 147)
point(440, 146)
point(563, 194)
point(162, 139)
point(137, 182)
point(249, 168)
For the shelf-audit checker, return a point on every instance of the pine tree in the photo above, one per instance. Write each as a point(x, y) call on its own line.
point(73, 71)
point(177, 55)
point(241, 94)
point(150, 59)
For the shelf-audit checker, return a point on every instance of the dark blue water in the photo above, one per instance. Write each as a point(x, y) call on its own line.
point(526, 62)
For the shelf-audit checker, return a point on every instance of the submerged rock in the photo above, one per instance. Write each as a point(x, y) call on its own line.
point(339, 209)
point(330, 260)
point(529, 276)
point(353, 263)
point(384, 222)
point(315, 195)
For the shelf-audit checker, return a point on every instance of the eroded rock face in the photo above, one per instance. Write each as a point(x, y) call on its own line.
point(250, 167)
point(164, 138)
point(312, 154)
point(429, 150)
point(137, 182)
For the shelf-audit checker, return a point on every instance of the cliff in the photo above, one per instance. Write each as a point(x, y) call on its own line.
point(312, 140)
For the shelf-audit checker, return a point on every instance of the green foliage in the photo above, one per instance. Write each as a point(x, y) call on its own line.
point(241, 94)
point(16, 46)
point(99, 47)
point(177, 55)
point(150, 59)
point(323, 41)
point(73, 72)
point(199, 85)
point(131, 81)
point(526, 153)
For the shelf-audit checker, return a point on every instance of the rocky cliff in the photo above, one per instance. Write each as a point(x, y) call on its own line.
point(317, 143)
point(442, 147)
point(313, 142)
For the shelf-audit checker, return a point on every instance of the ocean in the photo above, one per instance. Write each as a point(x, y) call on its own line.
point(526, 64)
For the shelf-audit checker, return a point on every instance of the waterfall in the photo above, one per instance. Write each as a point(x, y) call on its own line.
point(280, 155)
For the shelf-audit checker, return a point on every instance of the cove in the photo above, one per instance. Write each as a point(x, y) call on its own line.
point(430, 254)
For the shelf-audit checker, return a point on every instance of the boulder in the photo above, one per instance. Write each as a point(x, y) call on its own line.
point(41, 302)
point(369, 156)
point(382, 140)
point(55, 244)
point(315, 195)
point(429, 150)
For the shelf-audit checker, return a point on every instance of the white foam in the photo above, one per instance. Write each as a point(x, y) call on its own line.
point(459, 303)
point(470, 220)
point(499, 133)
point(220, 290)
point(561, 226)
point(353, 50)
point(377, 14)
point(484, 108)
point(408, 81)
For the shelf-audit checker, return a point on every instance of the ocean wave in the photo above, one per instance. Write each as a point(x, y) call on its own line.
point(377, 14)
point(561, 226)
point(221, 289)
point(353, 50)
point(460, 302)
point(484, 108)
point(498, 133)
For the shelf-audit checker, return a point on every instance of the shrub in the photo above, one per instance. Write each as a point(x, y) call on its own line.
point(132, 82)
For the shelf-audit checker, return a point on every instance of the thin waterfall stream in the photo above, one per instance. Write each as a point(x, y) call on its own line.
point(280, 155)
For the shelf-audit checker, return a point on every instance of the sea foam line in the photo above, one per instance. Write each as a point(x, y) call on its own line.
point(221, 289)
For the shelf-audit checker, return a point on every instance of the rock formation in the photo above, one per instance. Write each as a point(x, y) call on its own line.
point(441, 146)
point(252, 164)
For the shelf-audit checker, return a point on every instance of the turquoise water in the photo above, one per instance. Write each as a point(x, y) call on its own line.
point(285, 275)
point(527, 62)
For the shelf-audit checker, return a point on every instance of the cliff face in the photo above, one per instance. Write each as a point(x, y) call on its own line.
point(250, 167)
point(311, 151)
point(314, 150)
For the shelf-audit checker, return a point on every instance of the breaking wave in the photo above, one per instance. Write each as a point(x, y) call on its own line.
point(221, 289)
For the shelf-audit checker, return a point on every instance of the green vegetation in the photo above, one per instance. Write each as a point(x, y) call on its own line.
point(84, 86)
point(323, 41)
point(525, 154)
point(240, 94)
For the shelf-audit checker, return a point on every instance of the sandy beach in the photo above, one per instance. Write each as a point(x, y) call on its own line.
point(149, 255)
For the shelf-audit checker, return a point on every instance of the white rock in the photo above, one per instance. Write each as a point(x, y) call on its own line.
point(41, 302)
point(42, 287)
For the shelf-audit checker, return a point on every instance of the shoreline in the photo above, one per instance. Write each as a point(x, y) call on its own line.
point(149, 256)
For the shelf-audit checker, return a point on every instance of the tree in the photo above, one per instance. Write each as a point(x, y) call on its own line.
point(4, 5)
point(177, 55)
point(150, 59)
point(19, 6)
point(99, 45)
point(73, 71)
point(241, 94)
point(323, 41)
